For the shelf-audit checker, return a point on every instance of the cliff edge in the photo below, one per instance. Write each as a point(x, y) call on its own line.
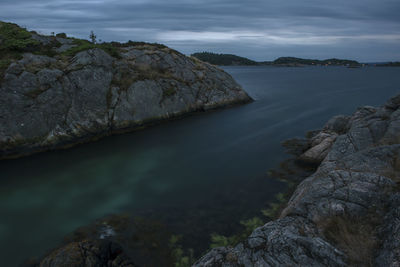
point(57, 91)
point(347, 212)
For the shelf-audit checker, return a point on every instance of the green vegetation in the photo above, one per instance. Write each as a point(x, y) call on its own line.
point(290, 172)
point(275, 207)
point(61, 35)
point(13, 42)
point(248, 225)
point(183, 258)
point(16, 39)
point(83, 45)
point(224, 59)
point(251, 224)
point(92, 37)
point(110, 49)
point(139, 44)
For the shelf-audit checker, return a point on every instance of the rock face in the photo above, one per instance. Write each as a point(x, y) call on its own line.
point(321, 143)
point(49, 102)
point(88, 253)
point(347, 212)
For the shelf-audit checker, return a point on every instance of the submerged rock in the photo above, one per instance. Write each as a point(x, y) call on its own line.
point(114, 240)
point(346, 213)
point(49, 102)
point(88, 253)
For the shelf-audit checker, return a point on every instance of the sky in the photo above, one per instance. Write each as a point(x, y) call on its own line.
point(363, 30)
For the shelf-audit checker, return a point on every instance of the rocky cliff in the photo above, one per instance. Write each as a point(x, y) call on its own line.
point(347, 212)
point(57, 91)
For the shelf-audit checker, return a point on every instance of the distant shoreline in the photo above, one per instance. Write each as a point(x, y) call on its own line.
point(234, 60)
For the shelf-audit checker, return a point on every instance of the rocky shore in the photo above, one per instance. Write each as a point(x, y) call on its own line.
point(61, 91)
point(347, 212)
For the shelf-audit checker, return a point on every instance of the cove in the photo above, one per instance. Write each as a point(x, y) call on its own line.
point(199, 175)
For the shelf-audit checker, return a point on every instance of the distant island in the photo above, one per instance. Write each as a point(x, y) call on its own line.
point(232, 60)
point(224, 59)
point(388, 64)
point(294, 61)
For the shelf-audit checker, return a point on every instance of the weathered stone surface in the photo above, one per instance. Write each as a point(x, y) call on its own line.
point(88, 253)
point(355, 185)
point(48, 102)
point(320, 147)
point(338, 124)
point(389, 252)
point(321, 143)
point(114, 240)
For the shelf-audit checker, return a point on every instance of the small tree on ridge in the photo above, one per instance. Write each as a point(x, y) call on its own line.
point(92, 37)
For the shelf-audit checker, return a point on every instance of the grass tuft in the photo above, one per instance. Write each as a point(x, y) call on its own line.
point(356, 237)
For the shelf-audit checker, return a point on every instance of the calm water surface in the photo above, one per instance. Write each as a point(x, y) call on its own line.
point(211, 165)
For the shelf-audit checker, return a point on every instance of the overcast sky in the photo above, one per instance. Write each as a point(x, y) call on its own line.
point(365, 30)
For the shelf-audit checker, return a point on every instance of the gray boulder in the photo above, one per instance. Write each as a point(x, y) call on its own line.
point(88, 253)
point(321, 143)
point(320, 147)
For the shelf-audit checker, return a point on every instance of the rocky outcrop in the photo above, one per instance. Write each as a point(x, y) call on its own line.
point(321, 143)
point(88, 253)
point(347, 212)
point(49, 102)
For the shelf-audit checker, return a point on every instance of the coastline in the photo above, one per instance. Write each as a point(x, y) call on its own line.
point(16, 154)
point(352, 197)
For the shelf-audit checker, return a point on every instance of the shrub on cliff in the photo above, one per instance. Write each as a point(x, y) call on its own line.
point(14, 38)
point(61, 35)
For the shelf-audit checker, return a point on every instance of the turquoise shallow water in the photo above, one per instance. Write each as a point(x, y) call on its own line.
point(209, 167)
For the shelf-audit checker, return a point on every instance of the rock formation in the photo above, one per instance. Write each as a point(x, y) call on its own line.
point(84, 91)
point(347, 212)
point(88, 253)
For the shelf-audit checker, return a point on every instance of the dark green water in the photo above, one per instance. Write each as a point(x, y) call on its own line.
point(197, 174)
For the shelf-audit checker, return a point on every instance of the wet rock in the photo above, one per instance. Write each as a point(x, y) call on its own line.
point(88, 253)
point(113, 240)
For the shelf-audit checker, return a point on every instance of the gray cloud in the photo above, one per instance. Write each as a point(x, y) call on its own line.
point(366, 30)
